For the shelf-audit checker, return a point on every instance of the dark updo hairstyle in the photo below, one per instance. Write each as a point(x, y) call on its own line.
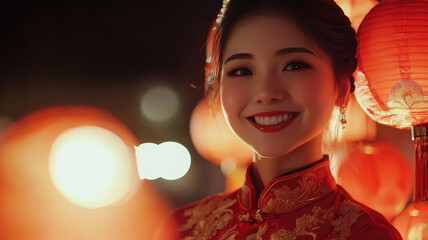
point(322, 21)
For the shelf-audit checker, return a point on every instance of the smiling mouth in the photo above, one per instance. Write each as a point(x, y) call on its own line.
point(272, 121)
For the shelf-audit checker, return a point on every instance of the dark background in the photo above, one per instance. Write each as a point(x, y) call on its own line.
point(105, 55)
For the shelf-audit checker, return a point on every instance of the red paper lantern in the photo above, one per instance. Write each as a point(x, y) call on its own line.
point(213, 139)
point(412, 223)
point(393, 56)
point(378, 175)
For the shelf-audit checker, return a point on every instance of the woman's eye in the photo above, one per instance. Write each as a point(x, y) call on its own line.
point(296, 66)
point(240, 72)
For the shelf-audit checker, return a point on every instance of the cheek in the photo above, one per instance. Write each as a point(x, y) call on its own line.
point(317, 95)
point(233, 98)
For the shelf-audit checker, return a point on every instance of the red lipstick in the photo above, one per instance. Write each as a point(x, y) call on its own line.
point(273, 127)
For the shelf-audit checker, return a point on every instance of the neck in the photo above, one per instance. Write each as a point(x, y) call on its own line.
point(270, 168)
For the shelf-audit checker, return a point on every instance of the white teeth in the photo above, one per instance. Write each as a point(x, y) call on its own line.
point(272, 120)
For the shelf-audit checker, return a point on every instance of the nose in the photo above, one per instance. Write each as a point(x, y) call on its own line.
point(269, 90)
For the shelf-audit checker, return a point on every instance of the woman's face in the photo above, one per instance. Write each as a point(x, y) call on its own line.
point(277, 91)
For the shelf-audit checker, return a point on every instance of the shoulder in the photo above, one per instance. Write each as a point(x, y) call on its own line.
point(207, 204)
point(379, 232)
point(207, 209)
point(367, 223)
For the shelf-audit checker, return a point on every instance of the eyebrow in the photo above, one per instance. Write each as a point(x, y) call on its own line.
point(293, 50)
point(282, 51)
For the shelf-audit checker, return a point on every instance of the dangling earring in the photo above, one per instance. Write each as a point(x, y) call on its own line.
point(342, 117)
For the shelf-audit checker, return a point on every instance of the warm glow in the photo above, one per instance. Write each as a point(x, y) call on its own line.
point(418, 232)
point(368, 150)
point(412, 223)
point(213, 139)
point(168, 160)
point(377, 174)
point(393, 56)
point(160, 103)
point(89, 166)
point(360, 126)
point(33, 208)
point(355, 10)
point(235, 179)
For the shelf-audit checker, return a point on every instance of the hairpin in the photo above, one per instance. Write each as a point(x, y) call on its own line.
point(220, 15)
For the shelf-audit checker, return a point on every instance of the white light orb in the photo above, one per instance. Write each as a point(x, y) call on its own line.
point(176, 160)
point(168, 160)
point(160, 103)
point(90, 166)
point(149, 161)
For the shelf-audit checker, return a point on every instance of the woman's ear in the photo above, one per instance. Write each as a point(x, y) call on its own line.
point(343, 92)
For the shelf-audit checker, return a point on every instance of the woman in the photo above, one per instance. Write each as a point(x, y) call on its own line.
point(279, 68)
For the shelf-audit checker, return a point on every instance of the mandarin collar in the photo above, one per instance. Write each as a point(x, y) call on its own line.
point(290, 191)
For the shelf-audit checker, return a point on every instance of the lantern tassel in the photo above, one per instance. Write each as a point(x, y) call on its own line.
point(419, 135)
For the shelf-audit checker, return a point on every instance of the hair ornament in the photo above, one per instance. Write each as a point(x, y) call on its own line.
point(210, 78)
point(220, 15)
point(342, 116)
point(212, 74)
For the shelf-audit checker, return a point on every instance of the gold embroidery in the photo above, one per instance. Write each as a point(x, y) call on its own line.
point(230, 234)
point(253, 216)
point(245, 196)
point(309, 189)
point(348, 214)
point(306, 225)
point(258, 235)
point(208, 218)
point(245, 217)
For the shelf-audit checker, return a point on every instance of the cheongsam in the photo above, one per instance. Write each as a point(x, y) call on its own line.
point(303, 204)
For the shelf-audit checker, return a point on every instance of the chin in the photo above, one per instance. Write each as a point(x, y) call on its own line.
point(270, 152)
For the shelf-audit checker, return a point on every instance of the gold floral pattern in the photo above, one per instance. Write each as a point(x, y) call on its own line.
point(245, 196)
point(306, 225)
point(311, 186)
point(348, 213)
point(230, 234)
point(258, 235)
point(336, 216)
point(251, 216)
point(286, 198)
point(290, 191)
point(207, 219)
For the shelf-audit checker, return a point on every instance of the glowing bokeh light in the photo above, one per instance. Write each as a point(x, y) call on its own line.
point(33, 208)
point(213, 138)
point(377, 174)
point(356, 10)
point(412, 223)
point(89, 166)
point(160, 103)
point(177, 160)
point(168, 160)
point(149, 163)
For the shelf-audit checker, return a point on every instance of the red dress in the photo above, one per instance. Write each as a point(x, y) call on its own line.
point(306, 204)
